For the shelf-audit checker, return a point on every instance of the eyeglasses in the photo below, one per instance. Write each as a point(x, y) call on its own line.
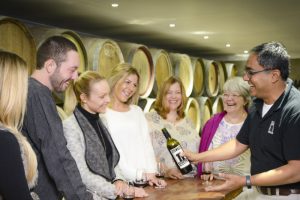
point(249, 72)
point(234, 96)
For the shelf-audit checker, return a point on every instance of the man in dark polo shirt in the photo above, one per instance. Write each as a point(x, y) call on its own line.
point(271, 130)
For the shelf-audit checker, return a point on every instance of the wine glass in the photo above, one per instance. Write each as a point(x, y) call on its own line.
point(160, 169)
point(140, 178)
point(160, 174)
point(207, 169)
point(128, 191)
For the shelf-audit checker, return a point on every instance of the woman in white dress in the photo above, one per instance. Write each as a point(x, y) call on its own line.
point(128, 126)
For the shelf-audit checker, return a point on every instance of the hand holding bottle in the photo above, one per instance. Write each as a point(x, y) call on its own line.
point(191, 156)
point(176, 151)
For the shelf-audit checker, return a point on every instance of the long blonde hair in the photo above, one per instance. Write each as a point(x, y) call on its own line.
point(120, 72)
point(13, 98)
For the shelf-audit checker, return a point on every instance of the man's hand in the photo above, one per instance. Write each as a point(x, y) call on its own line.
point(232, 182)
point(191, 156)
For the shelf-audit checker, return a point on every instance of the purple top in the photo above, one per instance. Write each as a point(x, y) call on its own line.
point(208, 133)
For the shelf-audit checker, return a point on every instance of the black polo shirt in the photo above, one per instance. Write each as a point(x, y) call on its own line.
point(275, 138)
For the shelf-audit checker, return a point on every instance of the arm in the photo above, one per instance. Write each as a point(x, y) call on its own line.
point(226, 151)
point(286, 174)
point(119, 174)
point(44, 128)
point(76, 145)
point(11, 169)
point(149, 152)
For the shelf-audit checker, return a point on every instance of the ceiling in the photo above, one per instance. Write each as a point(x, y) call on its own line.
point(242, 23)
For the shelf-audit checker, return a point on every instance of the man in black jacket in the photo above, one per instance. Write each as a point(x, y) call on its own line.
point(57, 63)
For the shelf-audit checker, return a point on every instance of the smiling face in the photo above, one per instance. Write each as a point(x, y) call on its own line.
point(98, 98)
point(260, 83)
point(66, 72)
point(173, 97)
point(233, 102)
point(125, 88)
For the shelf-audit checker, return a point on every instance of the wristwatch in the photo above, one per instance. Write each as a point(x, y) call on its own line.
point(248, 182)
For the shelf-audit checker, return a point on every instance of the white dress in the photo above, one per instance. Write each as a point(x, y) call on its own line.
point(129, 131)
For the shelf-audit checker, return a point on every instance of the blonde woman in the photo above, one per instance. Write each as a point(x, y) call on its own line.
point(169, 113)
point(90, 142)
point(18, 168)
point(128, 126)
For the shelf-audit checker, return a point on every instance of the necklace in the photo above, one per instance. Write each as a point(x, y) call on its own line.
point(235, 120)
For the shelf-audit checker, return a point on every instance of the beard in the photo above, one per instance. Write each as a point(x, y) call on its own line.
point(57, 82)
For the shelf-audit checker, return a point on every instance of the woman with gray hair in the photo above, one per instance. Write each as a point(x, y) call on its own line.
point(224, 126)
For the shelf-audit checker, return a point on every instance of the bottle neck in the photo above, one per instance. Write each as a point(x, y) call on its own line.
point(166, 133)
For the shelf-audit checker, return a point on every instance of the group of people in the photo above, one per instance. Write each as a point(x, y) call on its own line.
point(96, 152)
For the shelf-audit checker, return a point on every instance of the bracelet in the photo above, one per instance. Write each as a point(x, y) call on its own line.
point(248, 182)
point(115, 180)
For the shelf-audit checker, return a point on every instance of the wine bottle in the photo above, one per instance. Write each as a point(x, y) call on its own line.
point(175, 150)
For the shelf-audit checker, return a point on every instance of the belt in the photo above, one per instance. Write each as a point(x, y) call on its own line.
point(277, 191)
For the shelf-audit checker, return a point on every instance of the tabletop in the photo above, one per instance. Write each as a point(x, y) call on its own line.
point(187, 189)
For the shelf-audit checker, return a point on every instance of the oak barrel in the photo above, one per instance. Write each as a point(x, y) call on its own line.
point(16, 38)
point(140, 57)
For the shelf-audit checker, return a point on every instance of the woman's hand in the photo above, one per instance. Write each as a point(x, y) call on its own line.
point(174, 173)
point(155, 181)
point(120, 187)
point(140, 192)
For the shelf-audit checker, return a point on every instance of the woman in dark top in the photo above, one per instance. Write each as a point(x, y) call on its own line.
point(18, 165)
point(89, 141)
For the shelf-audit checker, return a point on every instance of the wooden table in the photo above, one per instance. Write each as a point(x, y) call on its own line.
point(187, 189)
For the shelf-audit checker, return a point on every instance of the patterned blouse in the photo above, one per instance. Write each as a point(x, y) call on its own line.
point(184, 131)
point(239, 165)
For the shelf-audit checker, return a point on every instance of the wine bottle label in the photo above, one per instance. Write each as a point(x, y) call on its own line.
point(182, 161)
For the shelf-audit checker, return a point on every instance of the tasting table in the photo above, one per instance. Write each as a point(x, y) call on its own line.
point(187, 189)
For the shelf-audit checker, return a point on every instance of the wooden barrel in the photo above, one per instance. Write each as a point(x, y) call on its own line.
point(103, 55)
point(222, 75)
point(16, 38)
point(193, 112)
point(231, 70)
point(205, 109)
point(41, 33)
point(199, 76)
point(212, 80)
point(146, 104)
point(162, 69)
point(182, 68)
point(140, 57)
point(217, 105)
